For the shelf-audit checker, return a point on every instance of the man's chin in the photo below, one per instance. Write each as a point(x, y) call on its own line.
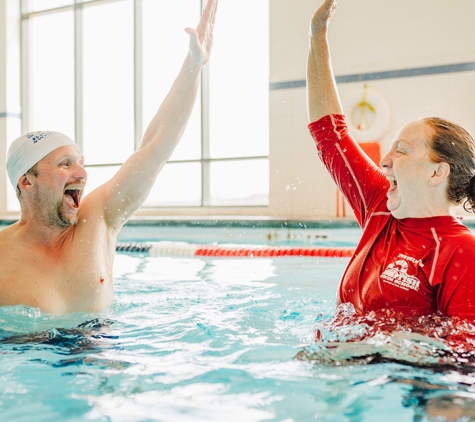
point(73, 219)
point(67, 220)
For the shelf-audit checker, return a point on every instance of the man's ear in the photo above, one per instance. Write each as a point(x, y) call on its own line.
point(440, 174)
point(24, 183)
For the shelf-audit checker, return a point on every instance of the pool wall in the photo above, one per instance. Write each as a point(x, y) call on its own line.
point(274, 232)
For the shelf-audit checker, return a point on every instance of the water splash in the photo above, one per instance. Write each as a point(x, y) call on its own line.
point(389, 336)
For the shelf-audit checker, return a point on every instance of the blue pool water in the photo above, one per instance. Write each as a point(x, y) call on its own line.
point(223, 339)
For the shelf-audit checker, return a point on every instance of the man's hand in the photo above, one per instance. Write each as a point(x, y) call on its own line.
point(201, 38)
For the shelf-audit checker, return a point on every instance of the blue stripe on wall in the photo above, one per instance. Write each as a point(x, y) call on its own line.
point(390, 74)
point(14, 115)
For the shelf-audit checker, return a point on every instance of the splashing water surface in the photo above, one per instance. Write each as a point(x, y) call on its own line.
point(233, 340)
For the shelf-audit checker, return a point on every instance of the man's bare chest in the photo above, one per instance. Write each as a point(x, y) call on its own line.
point(57, 281)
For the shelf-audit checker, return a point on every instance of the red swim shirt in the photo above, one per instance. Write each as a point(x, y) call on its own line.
point(414, 265)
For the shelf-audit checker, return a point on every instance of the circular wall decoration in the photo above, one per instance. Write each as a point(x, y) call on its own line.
point(367, 114)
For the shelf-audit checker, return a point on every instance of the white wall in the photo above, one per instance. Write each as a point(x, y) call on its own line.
point(366, 36)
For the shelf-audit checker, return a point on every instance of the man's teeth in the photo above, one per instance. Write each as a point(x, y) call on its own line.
point(72, 189)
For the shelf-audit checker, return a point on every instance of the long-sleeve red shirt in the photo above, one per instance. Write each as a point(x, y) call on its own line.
point(414, 265)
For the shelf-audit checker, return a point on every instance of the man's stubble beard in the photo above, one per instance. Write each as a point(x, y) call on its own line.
point(54, 215)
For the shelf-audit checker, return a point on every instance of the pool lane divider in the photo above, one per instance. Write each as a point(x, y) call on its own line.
point(190, 250)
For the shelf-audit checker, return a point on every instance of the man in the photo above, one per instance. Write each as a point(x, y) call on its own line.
point(59, 256)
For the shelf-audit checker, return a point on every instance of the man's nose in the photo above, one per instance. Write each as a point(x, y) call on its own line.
point(80, 172)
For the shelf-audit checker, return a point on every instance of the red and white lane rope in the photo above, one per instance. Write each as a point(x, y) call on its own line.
point(189, 250)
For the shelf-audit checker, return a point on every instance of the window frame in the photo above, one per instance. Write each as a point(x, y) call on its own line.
point(205, 160)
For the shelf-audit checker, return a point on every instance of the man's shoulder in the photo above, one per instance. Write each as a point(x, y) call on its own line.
point(8, 234)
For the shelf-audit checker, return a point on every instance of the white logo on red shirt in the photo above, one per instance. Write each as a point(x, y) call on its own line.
point(396, 275)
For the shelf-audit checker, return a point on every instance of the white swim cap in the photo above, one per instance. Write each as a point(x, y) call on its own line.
point(27, 150)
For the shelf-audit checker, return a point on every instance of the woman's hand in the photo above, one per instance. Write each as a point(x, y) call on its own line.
point(322, 16)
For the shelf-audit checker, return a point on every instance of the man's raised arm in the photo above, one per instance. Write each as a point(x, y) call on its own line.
point(322, 94)
point(128, 189)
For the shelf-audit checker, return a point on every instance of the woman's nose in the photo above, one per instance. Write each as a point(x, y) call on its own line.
point(386, 161)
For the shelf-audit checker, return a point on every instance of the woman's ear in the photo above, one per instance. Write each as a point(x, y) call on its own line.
point(440, 174)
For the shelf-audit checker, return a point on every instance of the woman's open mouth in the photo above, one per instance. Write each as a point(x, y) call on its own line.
point(392, 183)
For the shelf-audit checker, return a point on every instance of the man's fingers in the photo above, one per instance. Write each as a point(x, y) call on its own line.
point(209, 13)
point(213, 15)
point(193, 35)
point(210, 10)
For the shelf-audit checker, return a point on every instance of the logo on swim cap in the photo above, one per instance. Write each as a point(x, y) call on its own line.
point(38, 136)
point(27, 150)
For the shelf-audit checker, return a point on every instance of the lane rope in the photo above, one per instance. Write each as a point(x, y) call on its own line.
point(178, 249)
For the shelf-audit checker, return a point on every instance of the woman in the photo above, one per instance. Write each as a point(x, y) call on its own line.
point(415, 256)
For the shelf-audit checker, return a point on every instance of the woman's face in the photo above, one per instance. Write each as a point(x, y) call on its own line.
point(410, 173)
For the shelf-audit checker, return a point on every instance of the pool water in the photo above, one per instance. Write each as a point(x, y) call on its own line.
point(223, 339)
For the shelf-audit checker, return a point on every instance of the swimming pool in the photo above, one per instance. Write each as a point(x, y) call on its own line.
point(222, 339)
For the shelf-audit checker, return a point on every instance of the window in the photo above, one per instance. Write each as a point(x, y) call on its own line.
point(98, 71)
point(107, 82)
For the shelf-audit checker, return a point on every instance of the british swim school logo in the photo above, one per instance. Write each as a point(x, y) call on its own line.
point(38, 136)
point(396, 274)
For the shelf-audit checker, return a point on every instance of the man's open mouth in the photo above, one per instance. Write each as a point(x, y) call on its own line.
point(74, 194)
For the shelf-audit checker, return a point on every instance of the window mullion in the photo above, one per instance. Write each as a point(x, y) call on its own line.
point(78, 74)
point(205, 137)
point(205, 134)
point(138, 79)
point(25, 69)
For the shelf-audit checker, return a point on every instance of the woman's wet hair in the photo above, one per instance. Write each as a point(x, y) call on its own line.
point(453, 145)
